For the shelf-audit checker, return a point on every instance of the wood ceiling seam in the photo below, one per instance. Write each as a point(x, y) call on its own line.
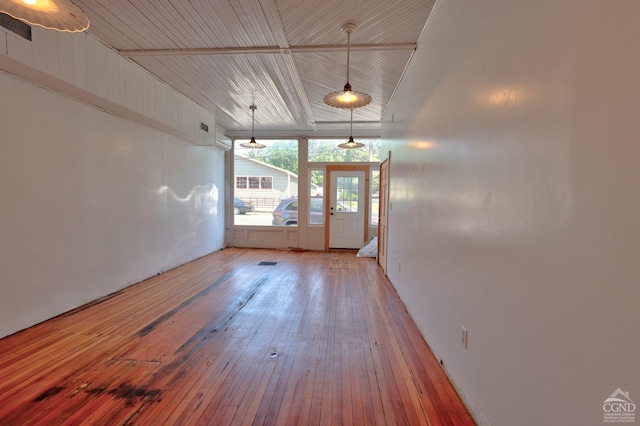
point(268, 50)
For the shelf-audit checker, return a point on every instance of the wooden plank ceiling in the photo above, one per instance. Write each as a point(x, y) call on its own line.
point(282, 55)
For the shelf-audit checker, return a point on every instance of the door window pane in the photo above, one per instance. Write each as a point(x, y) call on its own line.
point(347, 194)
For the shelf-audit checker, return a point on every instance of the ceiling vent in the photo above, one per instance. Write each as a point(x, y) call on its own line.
point(15, 26)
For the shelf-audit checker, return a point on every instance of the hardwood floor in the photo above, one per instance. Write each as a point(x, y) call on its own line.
point(317, 339)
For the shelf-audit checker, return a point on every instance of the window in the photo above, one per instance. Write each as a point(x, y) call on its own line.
point(374, 198)
point(254, 182)
point(292, 206)
point(316, 207)
point(241, 182)
point(266, 182)
point(327, 151)
point(267, 179)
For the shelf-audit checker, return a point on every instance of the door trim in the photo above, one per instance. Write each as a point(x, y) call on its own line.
point(327, 192)
point(383, 214)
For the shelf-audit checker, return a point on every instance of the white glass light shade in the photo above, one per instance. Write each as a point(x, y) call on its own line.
point(351, 144)
point(252, 144)
point(60, 15)
point(347, 99)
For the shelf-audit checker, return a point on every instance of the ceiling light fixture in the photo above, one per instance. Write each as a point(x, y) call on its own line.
point(351, 144)
point(347, 98)
point(252, 143)
point(59, 15)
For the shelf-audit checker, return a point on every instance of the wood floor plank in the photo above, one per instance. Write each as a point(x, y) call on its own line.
point(316, 339)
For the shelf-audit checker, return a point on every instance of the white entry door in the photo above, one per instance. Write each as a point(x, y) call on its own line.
point(347, 209)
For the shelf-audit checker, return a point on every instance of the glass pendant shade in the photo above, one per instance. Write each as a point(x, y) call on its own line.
point(347, 98)
point(351, 144)
point(59, 15)
point(252, 144)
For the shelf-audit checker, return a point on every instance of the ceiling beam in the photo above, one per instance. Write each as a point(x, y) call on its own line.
point(266, 50)
point(291, 88)
point(371, 122)
point(320, 134)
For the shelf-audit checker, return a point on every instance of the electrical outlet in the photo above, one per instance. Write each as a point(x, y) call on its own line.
point(465, 337)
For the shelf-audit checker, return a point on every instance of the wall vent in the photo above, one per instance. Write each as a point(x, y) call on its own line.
point(15, 26)
point(204, 127)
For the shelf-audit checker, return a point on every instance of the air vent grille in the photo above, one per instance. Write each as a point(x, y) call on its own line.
point(15, 26)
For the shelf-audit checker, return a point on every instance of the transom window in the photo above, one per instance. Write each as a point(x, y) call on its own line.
point(327, 151)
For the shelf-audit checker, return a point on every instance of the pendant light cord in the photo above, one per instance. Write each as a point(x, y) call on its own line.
point(348, 52)
point(351, 124)
point(253, 118)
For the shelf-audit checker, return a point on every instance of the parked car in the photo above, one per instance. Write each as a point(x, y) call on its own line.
point(287, 211)
point(241, 206)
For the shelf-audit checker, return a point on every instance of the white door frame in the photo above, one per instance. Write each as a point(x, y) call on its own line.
point(367, 183)
point(346, 228)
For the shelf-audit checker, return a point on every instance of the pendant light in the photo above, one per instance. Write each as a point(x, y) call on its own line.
point(252, 143)
point(59, 15)
point(351, 144)
point(347, 98)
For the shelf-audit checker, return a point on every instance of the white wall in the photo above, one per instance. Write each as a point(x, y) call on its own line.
point(92, 202)
point(514, 174)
